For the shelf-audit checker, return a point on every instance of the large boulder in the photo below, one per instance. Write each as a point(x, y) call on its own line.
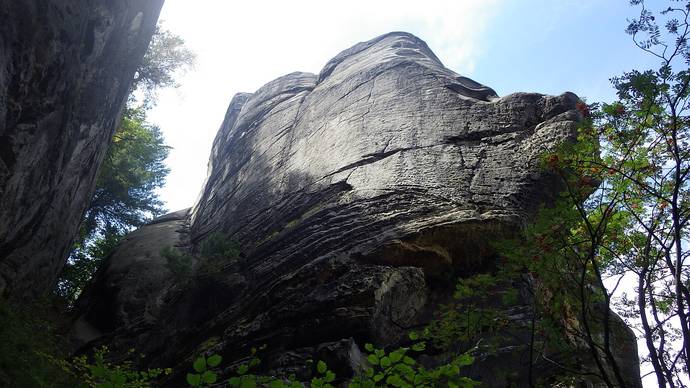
point(66, 67)
point(384, 146)
point(356, 196)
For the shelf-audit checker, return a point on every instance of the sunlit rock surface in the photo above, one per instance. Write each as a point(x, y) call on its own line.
point(356, 195)
point(65, 71)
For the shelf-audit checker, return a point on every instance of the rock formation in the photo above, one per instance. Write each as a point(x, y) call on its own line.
point(355, 196)
point(66, 67)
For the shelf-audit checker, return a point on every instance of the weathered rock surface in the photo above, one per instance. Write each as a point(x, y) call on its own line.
point(65, 71)
point(356, 195)
point(136, 275)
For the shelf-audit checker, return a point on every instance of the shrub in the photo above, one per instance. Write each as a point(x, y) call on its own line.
point(101, 373)
point(29, 343)
point(217, 252)
point(180, 264)
point(217, 246)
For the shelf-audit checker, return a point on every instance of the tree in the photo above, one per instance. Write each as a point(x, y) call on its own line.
point(125, 198)
point(132, 171)
point(625, 211)
point(651, 121)
point(165, 56)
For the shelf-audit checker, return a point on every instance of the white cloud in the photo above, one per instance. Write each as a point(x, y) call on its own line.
point(242, 45)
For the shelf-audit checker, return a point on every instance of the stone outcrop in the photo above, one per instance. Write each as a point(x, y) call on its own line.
point(65, 71)
point(356, 196)
point(135, 274)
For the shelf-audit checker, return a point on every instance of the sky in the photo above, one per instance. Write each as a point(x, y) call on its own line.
point(510, 45)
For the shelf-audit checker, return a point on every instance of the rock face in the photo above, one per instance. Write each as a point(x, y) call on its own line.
point(355, 196)
point(384, 140)
point(135, 273)
point(65, 71)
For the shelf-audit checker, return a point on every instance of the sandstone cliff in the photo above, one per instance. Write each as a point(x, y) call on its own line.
point(356, 195)
point(65, 71)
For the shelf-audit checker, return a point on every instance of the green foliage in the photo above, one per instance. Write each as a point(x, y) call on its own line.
point(245, 379)
point(29, 341)
point(86, 257)
point(469, 317)
point(164, 59)
point(125, 198)
point(180, 264)
point(323, 379)
point(204, 375)
point(398, 369)
point(625, 210)
point(217, 246)
point(133, 169)
point(217, 251)
point(32, 354)
point(100, 373)
point(395, 369)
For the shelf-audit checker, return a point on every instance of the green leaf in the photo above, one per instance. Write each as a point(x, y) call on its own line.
point(234, 381)
point(373, 359)
point(276, 384)
point(97, 371)
point(409, 360)
point(248, 383)
point(413, 335)
point(214, 360)
point(385, 362)
point(464, 360)
point(321, 367)
point(394, 380)
point(193, 379)
point(396, 356)
point(330, 376)
point(242, 369)
point(200, 364)
point(209, 377)
point(405, 371)
point(118, 378)
point(369, 347)
point(419, 346)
